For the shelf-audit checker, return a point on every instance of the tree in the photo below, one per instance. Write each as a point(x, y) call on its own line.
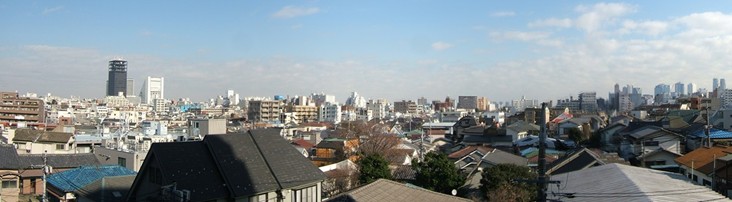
point(501, 179)
point(373, 167)
point(510, 192)
point(576, 135)
point(437, 173)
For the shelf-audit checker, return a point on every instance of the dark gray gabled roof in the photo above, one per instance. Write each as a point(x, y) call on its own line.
point(268, 161)
point(232, 165)
point(8, 157)
point(59, 160)
point(191, 166)
point(30, 135)
point(577, 160)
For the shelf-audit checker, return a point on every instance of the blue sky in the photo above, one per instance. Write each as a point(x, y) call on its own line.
point(382, 49)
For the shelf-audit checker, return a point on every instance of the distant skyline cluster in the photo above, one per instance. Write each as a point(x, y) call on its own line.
point(382, 49)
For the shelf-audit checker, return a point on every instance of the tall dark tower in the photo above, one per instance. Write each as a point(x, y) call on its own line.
point(117, 81)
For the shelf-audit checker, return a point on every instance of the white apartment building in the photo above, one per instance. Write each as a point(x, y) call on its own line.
point(153, 88)
point(330, 112)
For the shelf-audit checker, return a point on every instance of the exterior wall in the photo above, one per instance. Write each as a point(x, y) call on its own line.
point(10, 193)
point(16, 109)
point(700, 177)
point(208, 126)
point(107, 156)
point(41, 147)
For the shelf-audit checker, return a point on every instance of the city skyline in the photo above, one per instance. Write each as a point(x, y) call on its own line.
point(392, 50)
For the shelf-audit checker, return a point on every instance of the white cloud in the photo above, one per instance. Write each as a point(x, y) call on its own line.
point(503, 14)
point(552, 22)
point(52, 10)
point(594, 17)
point(440, 46)
point(708, 24)
point(521, 36)
point(293, 11)
point(652, 28)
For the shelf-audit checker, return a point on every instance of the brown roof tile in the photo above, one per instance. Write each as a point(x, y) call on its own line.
point(703, 158)
point(469, 149)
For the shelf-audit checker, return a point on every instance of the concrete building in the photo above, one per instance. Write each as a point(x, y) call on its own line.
point(679, 89)
point(405, 106)
point(153, 88)
point(377, 107)
point(322, 98)
point(726, 98)
point(690, 88)
point(264, 110)
point(662, 93)
point(130, 87)
point(588, 101)
point(330, 112)
point(16, 110)
point(484, 104)
point(467, 102)
point(356, 100)
point(117, 78)
point(203, 127)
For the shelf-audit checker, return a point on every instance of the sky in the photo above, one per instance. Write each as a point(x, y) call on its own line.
point(397, 50)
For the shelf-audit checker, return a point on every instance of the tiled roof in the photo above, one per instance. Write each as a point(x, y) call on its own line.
point(617, 182)
point(59, 160)
point(233, 165)
point(303, 143)
point(9, 157)
point(703, 157)
point(714, 134)
point(469, 149)
point(501, 157)
point(108, 189)
point(387, 190)
point(578, 160)
point(180, 161)
point(74, 179)
point(521, 126)
point(30, 135)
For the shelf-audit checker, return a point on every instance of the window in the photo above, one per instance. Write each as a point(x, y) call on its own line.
point(60, 146)
point(309, 194)
point(263, 197)
point(650, 143)
point(121, 161)
point(10, 184)
point(655, 163)
point(707, 183)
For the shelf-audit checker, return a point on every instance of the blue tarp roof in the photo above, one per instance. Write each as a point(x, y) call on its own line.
point(714, 134)
point(77, 178)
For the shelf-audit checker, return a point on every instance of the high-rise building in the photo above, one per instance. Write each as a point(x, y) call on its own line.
point(679, 89)
point(356, 100)
point(130, 87)
point(467, 102)
point(722, 85)
point(588, 101)
point(690, 88)
point(21, 110)
point(662, 93)
point(715, 84)
point(117, 78)
point(153, 88)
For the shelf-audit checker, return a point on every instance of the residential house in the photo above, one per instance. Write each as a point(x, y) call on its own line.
point(257, 165)
point(577, 160)
point(69, 185)
point(648, 139)
point(31, 173)
point(521, 129)
point(609, 139)
point(342, 176)
point(9, 166)
point(660, 159)
point(29, 141)
point(333, 150)
point(387, 190)
point(618, 182)
point(699, 165)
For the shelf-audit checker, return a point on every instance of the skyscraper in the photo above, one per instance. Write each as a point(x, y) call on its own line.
point(130, 87)
point(690, 88)
point(153, 88)
point(722, 85)
point(715, 84)
point(117, 79)
point(679, 89)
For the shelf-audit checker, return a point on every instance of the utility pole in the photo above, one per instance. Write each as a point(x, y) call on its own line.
point(45, 172)
point(541, 181)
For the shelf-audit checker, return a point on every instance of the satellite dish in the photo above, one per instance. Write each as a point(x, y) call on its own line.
point(454, 192)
